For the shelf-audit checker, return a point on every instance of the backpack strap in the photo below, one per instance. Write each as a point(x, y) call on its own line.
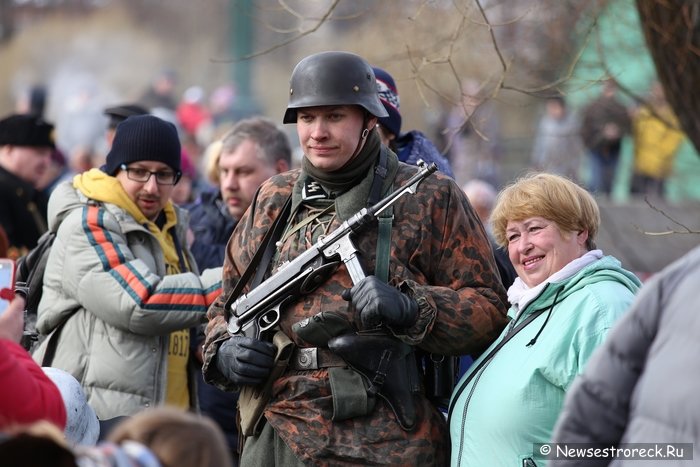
point(52, 343)
point(26, 265)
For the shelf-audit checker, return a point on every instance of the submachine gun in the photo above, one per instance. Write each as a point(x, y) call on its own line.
point(387, 365)
point(253, 313)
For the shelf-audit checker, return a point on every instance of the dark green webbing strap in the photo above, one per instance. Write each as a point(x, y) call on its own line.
point(381, 269)
point(380, 172)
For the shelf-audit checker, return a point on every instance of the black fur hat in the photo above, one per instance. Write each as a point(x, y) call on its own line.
point(26, 130)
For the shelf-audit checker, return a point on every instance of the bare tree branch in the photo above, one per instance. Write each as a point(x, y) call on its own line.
point(279, 45)
point(685, 230)
point(493, 37)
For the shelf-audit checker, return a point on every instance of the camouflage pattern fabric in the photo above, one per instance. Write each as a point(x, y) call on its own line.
point(440, 255)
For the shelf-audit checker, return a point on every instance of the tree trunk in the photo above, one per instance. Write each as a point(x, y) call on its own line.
point(6, 20)
point(672, 32)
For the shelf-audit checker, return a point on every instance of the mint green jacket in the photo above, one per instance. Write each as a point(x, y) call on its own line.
point(515, 400)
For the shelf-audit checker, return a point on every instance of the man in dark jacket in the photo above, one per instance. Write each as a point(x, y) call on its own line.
point(482, 196)
point(605, 122)
point(26, 143)
point(252, 151)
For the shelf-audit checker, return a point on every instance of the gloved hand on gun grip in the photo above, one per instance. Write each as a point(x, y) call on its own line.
point(379, 303)
point(245, 361)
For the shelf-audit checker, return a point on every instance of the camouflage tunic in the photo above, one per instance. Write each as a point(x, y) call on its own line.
point(440, 256)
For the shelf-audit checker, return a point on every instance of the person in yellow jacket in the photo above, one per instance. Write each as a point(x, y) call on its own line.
point(657, 137)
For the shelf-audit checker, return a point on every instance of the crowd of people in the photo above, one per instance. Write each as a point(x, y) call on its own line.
point(584, 144)
point(567, 141)
point(457, 325)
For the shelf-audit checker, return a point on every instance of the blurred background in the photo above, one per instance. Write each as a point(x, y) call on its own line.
point(479, 69)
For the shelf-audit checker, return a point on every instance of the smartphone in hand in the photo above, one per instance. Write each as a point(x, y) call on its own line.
point(7, 280)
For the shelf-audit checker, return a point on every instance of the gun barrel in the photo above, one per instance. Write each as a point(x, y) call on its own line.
point(410, 186)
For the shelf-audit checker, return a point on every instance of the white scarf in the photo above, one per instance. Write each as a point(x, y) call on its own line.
point(521, 295)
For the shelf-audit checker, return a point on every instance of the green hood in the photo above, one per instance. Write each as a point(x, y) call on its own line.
point(608, 268)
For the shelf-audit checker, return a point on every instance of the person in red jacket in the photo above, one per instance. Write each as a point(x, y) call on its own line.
point(26, 393)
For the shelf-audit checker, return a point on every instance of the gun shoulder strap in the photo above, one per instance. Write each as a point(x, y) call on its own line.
point(381, 269)
point(488, 358)
point(263, 255)
point(385, 220)
point(267, 247)
point(381, 170)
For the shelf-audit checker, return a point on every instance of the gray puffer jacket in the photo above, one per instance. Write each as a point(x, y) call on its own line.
point(106, 278)
point(641, 385)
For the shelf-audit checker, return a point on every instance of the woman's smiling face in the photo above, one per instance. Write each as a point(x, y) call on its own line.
point(537, 248)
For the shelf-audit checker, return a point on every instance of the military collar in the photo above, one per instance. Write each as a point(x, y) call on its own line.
point(313, 190)
point(354, 199)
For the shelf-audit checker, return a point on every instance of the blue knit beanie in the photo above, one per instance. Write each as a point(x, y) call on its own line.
point(390, 98)
point(144, 138)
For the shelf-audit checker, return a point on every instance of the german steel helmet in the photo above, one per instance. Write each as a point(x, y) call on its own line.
point(333, 78)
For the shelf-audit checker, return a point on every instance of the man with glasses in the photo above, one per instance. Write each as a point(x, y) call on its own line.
point(121, 288)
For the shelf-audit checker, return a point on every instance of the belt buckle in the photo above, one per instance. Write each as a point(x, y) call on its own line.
point(307, 358)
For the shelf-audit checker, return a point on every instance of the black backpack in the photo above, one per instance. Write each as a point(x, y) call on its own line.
point(30, 281)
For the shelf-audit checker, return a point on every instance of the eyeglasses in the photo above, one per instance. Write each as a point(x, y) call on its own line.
point(163, 177)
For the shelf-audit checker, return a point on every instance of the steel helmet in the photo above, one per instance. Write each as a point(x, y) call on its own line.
point(333, 78)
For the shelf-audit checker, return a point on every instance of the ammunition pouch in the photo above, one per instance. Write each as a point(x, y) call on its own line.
point(388, 369)
point(317, 330)
point(350, 397)
point(440, 377)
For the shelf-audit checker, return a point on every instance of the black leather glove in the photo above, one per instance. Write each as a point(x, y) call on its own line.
point(379, 303)
point(244, 360)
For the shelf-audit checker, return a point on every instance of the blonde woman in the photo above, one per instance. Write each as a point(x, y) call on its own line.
point(565, 299)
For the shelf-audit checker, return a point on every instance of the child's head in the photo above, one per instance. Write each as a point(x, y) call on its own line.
point(556, 107)
point(176, 437)
point(40, 444)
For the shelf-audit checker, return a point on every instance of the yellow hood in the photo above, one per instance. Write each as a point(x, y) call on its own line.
point(99, 186)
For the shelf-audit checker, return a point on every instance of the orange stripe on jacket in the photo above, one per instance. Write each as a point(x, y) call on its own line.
point(99, 237)
point(133, 282)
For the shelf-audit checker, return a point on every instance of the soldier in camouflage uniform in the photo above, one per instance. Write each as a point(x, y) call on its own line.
point(443, 293)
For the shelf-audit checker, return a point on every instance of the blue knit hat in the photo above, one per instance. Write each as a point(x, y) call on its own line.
point(390, 98)
point(144, 138)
